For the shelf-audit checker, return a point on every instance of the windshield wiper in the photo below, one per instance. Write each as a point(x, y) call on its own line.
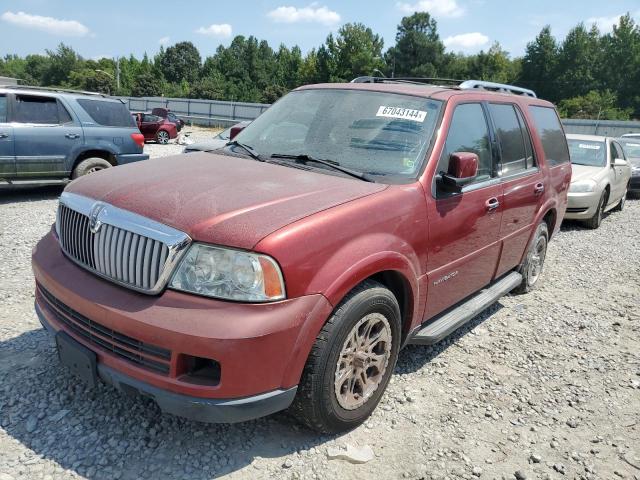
point(305, 159)
point(247, 148)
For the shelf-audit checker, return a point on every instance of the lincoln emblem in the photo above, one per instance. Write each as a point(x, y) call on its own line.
point(94, 222)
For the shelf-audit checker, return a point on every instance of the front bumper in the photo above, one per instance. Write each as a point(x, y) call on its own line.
point(261, 349)
point(582, 206)
point(125, 158)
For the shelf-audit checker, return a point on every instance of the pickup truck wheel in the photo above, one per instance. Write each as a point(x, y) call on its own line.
point(351, 361)
point(162, 137)
point(595, 221)
point(89, 165)
point(531, 269)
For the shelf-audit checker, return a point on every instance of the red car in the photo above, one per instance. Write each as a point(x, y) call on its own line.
point(288, 269)
point(155, 128)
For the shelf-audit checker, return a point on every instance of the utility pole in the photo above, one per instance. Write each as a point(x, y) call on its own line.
point(118, 74)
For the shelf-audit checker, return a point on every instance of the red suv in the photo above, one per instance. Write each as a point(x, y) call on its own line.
point(288, 269)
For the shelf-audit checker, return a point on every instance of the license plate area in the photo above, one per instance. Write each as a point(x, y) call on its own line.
point(77, 358)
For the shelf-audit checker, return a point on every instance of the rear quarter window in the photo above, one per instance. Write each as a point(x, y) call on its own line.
point(551, 134)
point(108, 114)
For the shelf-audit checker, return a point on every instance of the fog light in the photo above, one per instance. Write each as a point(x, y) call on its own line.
point(199, 370)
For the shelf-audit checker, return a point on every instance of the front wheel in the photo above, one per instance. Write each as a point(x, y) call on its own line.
point(162, 137)
point(531, 269)
point(351, 362)
point(595, 221)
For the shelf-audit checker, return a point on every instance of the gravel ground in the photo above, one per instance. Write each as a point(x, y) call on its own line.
point(544, 385)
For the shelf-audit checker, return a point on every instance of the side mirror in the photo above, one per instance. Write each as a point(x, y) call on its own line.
point(235, 130)
point(619, 162)
point(463, 169)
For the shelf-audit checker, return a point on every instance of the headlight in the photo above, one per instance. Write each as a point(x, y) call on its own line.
point(583, 186)
point(229, 274)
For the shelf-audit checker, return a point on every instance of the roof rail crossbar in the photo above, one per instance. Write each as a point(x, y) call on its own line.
point(498, 87)
point(411, 80)
point(53, 89)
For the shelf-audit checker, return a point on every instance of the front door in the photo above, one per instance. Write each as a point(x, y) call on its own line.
point(7, 156)
point(622, 173)
point(45, 136)
point(149, 126)
point(464, 228)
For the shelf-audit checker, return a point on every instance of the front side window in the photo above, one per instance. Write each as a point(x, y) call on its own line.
point(3, 108)
point(510, 137)
point(619, 152)
point(379, 133)
point(553, 140)
point(587, 152)
point(40, 110)
point(469, 132)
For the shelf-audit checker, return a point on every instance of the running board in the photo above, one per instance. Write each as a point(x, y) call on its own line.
point(451, 320)
point(33, 183)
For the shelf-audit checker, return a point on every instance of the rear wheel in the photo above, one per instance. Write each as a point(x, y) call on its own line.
point(531, 269)
point(595, 221)
point(162, 137)
point(351, 361)
point(90, 165)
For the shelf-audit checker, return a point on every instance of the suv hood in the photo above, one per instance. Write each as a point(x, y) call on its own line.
point(220, 199)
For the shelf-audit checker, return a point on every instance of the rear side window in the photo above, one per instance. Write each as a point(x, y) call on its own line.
point(42, 110)
point(468, 132)
point(553, 140)
point(3, 108)
point(108, 114)
point(511, 137)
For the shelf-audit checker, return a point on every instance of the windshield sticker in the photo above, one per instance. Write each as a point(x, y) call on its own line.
point(633, 144)
point(402, 113)
point(589, 147)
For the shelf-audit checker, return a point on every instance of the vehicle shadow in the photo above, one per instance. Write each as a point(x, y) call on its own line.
point(101, 433)
point(29, 194)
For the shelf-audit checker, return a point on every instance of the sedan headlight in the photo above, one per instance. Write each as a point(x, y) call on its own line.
point(583, 186)
point(229, 274)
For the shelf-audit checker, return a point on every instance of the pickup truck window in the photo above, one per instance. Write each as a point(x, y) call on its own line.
point(371, 132)
point(553, 140)
point(469, 132)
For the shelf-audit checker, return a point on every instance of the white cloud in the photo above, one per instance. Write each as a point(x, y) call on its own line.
point(70, 28)
point(223, 30)
point(605, 24)
point(312, 13)
point(164, 40)
point(441, 8)
point(466, 41)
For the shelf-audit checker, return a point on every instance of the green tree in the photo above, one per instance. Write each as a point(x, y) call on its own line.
point(146, 84)
point(594, 105)
point(62, 62)
point(354, 51)
point(493, 65)
point(418, 50)
point(579, 59)
point(539, 65)
point(180, 62)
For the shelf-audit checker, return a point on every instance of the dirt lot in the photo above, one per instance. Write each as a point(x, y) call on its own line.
point(545, 385)
point(195, 133)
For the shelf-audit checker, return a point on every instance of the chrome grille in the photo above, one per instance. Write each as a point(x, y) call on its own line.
point(118, 245)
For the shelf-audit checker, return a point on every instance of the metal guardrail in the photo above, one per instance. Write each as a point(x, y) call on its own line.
point(221, 113)
point(199, 112)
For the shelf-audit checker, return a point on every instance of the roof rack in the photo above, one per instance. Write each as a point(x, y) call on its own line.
point(53, 89)
point(451, 83)
point(497, 87)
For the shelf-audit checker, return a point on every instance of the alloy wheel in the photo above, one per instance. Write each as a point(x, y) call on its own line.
point(363, 361)
point(536, 261)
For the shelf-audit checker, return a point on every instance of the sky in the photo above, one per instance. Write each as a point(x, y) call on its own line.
point(120, 27)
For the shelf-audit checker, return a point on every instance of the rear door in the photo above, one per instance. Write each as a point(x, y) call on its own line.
point(45, 136)
point(464, 227)
point(7, 156)
point(523, 182)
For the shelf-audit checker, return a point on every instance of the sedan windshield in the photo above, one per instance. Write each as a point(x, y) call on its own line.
point(586, 152)
point(631, 147)
point(370, 132)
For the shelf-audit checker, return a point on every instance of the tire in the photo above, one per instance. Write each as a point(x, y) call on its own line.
point(162, 136)
point(89, 165)
point(623, 200)
point(533, 265)
point(595, 221)
point(331, 405)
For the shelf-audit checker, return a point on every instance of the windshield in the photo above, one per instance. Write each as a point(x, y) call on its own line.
point(225, 134)
point(587, 152)
point(631, 148)
point(370, 132)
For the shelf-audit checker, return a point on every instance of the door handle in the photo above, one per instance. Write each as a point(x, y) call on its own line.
point(4, 135)
point(492, 204)
point(539, 188)
point(72, 135)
